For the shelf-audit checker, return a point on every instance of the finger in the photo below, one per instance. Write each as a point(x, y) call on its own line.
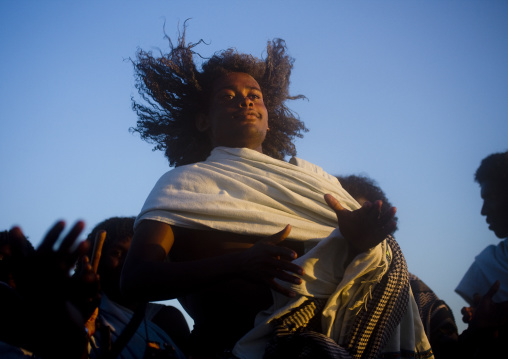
point(285, 266)
point(493, 289)
point(71, 237)
point(70, 258)
point(97, 249)
point(51, 237)
point(82, 249)
point(286, 277)
point(280, 253)
point(85, 260)
point(333, 203)
point(281, 289)
point(278, 237)
point(18, 240)
point(16, 233)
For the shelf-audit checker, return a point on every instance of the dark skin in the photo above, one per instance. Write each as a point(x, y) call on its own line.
point(484, 312)
point(495, 206)
point(40, 308)
point(112, 260)
point(224, 279)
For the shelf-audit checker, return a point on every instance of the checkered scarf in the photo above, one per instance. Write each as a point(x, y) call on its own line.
point(297, 334)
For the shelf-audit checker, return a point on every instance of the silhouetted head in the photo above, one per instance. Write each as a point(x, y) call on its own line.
point(492, 175)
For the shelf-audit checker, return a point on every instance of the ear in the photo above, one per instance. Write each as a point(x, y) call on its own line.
point(202, 123)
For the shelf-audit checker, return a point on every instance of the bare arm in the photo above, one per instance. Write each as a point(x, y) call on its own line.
point(146, 276)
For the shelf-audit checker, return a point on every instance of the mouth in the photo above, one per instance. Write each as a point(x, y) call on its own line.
point(247, 115)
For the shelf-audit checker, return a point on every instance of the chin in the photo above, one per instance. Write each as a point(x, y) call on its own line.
point(502, 235)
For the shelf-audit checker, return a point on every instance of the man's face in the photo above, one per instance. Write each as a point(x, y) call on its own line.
point(495, 207)
point(110, 268)
point(237, 115)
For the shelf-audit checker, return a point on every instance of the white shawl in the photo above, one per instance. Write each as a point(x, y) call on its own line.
point(490, 265)
point(243, 191)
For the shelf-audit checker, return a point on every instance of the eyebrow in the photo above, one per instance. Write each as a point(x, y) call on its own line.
point(231, 88)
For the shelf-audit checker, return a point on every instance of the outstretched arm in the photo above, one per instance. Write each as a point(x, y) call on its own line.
point(146, 276)
point(365, 227)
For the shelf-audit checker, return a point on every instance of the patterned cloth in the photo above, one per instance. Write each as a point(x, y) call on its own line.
point(374, 327)
point(437, 319)
point(297, 333)
point(384, 326)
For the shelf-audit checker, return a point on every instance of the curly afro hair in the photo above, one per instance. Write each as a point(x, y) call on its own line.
point(494, 168)
point(175, 92)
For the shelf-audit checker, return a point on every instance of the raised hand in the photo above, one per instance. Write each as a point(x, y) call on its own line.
point(267, 261)
point(486, 313)
point(42, 282)
point(365, 227)
point(49, 268)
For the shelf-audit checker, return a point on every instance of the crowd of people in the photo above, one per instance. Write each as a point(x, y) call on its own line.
point(271, 259)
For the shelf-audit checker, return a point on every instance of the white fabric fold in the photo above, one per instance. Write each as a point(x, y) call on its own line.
point(346, 288)
point(243, 191)
point(490, 265)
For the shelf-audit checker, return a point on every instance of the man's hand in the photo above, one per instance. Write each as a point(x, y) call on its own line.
point(365, 227)
point(486, 313)
point(267, 261)
point(49, 269)
point(42, 280)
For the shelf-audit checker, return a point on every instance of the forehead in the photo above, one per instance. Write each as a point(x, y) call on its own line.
point(491, 188)
point(235, 80)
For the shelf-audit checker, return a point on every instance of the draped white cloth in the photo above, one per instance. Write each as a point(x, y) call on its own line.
point(243, 191)
point(490, 265)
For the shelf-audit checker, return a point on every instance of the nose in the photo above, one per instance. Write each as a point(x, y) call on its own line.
point(246, 101)
point(483, 210)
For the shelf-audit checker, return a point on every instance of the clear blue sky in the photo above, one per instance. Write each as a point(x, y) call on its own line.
point(411, 93)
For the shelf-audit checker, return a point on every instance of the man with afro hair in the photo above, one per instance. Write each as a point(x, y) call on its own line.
point(221, 230)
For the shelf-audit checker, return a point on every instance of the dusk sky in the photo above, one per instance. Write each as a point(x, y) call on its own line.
point(411, 93)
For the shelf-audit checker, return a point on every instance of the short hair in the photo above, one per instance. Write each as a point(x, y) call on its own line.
point(117, 228)
point(363, 186)
point(494, 168)
point(175, 93)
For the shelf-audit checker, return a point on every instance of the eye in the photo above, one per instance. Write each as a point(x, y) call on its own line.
point(225, 96)
point(115, 253)
point(255, 96)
